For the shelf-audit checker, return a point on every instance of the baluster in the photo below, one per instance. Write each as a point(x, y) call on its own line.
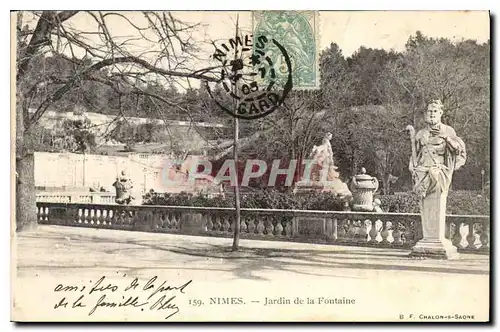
point(139, 218)
point(403, 230)
point(411, 231)
point(125, 218)
point(118, 218)
point(177, 220)
point(373, 232)
point(362, 233)
point(93, 216)
point(334, 232)
point(471, 237)
point(396, 234)
point(210, 224)
point(43, 215)
point(109, 217)
point(448, 230)
point(217, 223)
point(288, 228)
point(385, 232)
point(165, 220)
point(150, 219)
point(40, 214)
point(114, 214)
point(105, 215)
point(232, 221)
point(278, 228)
point(251, 225)
point(99, 217)
point(204, 218)
point(484, 238)
point(379, 226)
point(79, 218)
point(268, 221)
point(457, 236)
point(260, 227)
point(156, 222)
point(85, 216)
point(225, 223)
point(341, 230)
point(134, 218)
point(351, 230)
point(173, 220)
point(243, 225)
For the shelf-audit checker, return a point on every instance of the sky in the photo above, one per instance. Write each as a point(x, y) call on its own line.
point(375, 29)
point(348, 29)
point(353, 29)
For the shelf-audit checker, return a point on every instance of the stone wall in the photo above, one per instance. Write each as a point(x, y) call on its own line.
point(67, 171)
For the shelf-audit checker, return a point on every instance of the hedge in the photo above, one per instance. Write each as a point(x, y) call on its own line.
point(459, 202)
point(255, 200)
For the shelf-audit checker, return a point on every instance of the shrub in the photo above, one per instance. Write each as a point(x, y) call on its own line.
point(459, 202)
point(468, 202)
point(255, 200)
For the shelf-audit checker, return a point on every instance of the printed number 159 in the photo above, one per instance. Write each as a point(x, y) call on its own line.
point(195, 302)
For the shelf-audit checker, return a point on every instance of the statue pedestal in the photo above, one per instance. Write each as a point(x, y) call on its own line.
point(336, 187)
point(433, 216)
point(307, 186)
point(434, 248)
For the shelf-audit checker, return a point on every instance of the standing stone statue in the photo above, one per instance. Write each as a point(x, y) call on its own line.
point(437, 152)
point(323, 156)
point(322, 175)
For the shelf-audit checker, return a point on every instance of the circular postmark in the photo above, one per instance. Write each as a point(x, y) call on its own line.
point(248, 87)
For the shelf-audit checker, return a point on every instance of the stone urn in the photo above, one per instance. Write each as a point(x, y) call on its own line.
point(363, 186)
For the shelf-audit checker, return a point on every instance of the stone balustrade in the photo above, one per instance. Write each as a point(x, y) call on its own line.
point(398, 230)
point(72, 197)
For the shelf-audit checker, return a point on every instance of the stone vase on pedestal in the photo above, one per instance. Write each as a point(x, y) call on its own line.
point(363, 186)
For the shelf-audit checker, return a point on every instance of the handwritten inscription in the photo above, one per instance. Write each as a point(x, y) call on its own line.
point(153, 295)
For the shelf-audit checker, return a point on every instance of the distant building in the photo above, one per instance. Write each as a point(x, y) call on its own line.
point(183, 133)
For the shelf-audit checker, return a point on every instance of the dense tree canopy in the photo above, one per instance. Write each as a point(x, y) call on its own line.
point(365, 100)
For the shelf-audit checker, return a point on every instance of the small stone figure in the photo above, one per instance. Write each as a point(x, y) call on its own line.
point(377, 206)
point(437, 152)
point(123, 186)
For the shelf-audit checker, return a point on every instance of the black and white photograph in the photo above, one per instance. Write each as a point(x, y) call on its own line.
point(250, 166)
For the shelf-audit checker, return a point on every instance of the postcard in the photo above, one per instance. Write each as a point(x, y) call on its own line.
point(251, 166)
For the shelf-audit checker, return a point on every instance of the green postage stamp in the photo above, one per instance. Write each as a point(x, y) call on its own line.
point(298, 33)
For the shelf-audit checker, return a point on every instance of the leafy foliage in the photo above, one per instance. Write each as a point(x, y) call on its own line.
point(459, 202)
point(255, 200)
point(71, 135)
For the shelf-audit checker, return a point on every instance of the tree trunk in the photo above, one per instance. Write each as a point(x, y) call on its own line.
point(386, 185)
point(237, 222)
point(26, 216)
